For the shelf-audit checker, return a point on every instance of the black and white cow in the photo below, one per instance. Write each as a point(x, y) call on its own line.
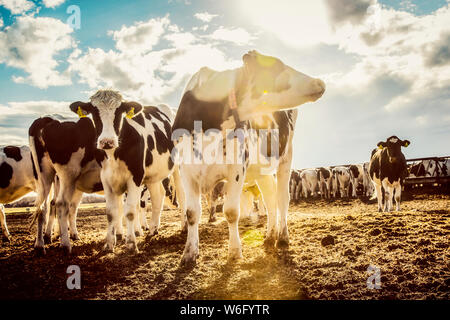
point(295, 185)
point(64, 154)
point(342, 180)
point(310, 182)
point(360, 177)
point(227, 104)
point(325, 181)
point(136, 147)
point(387, 170)
point(17, 178)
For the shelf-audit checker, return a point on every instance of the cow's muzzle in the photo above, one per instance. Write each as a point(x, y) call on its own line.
point(106, 144)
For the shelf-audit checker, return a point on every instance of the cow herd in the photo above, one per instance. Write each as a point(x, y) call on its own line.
point(130, 152)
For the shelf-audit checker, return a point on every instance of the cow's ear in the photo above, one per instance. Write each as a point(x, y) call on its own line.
point(381, 145)
point(131, 108)
point(81, 108)
point(405, 143)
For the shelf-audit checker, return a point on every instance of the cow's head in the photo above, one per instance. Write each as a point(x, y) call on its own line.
point(272, 86)
point(108, 112)
point(393, 146)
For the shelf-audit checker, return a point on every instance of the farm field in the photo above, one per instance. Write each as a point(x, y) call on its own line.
point(411, 249)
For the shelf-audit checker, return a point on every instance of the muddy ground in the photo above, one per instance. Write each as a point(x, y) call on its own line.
point(411, 249)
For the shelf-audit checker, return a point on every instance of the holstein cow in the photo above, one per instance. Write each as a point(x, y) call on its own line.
point(310, 182)
point(66, 149)
point(359, 177)
point(227, 104)
point(325, 182)
point(342, 180)
point(387, 169)
point(136, 150)
point(295, 185)
point(17, 178)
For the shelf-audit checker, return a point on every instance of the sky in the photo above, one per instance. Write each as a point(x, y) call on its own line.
point(386, 63)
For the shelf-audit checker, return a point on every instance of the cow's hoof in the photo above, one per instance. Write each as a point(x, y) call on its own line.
point(66, 250)
point(108, 248)
point(269, 242)
point(138, 233)
point(132, 248)
point(7, 238)
point(153, 232)
point(234, 254)
point(47, 239)
point(188, 261)
point(74, 237)
point(39, 251)
point(282, 243)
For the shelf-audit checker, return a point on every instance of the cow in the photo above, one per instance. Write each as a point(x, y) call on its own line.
point(325, 178)
point(261, 95)
point(426, 168)
point(64, 155)
point(387, 170)
point(368, 186)
point(310, 182)
point(342, 180)
point(17, 178)
point(135, 149)
point(295, 185)
point(250, 195)
point(359, 177)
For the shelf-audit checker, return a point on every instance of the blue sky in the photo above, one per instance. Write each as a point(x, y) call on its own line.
point(386, 63)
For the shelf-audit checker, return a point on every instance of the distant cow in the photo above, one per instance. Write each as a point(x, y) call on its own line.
point(342, 179)
point(136, 150)
point(387, 169)
point(310, 182)
point(17, 178)
point(295, 185)
point(325, 182)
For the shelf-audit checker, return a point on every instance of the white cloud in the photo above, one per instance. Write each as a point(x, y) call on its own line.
point(205, 16)
point(237, 35)
point(141, 36)
point(32, 44)
point(149, 76)
point(17, 6)
point(53, 3)
point(1, 22)
point(17, 117)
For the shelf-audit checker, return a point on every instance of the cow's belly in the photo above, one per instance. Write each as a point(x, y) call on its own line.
point(159, 169)
point(387, 183)
point(12, 194)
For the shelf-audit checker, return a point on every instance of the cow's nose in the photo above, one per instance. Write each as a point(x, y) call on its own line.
point(320, 85)
point(106, 144)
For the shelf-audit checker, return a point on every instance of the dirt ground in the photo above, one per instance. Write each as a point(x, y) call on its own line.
point(410, 248)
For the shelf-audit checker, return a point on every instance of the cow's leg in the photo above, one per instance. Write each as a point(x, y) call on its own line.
point(4, 227)
point(246, 205)
point(181, 197)
point(305, 188)
point(231, 208)
point(51, 221)
point(143, 215)
point(114, 204)
point(388, 194)
point(398, 193)
point(283, 202)
point(118, 228)
point(62, 209)
point(267, 184)
point(193, 213)
point(73, 211)
point(211, 204)
point(157, 197)
point(138, 232)
point(379, 196)
point(131, 214)
point(44, 188)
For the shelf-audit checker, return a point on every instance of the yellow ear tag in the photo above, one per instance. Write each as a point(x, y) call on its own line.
point(406, 144)
point(130, 114)
point(80, 112)
point(380, 147)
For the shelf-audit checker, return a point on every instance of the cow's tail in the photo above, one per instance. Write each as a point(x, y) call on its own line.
point(34, 134)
